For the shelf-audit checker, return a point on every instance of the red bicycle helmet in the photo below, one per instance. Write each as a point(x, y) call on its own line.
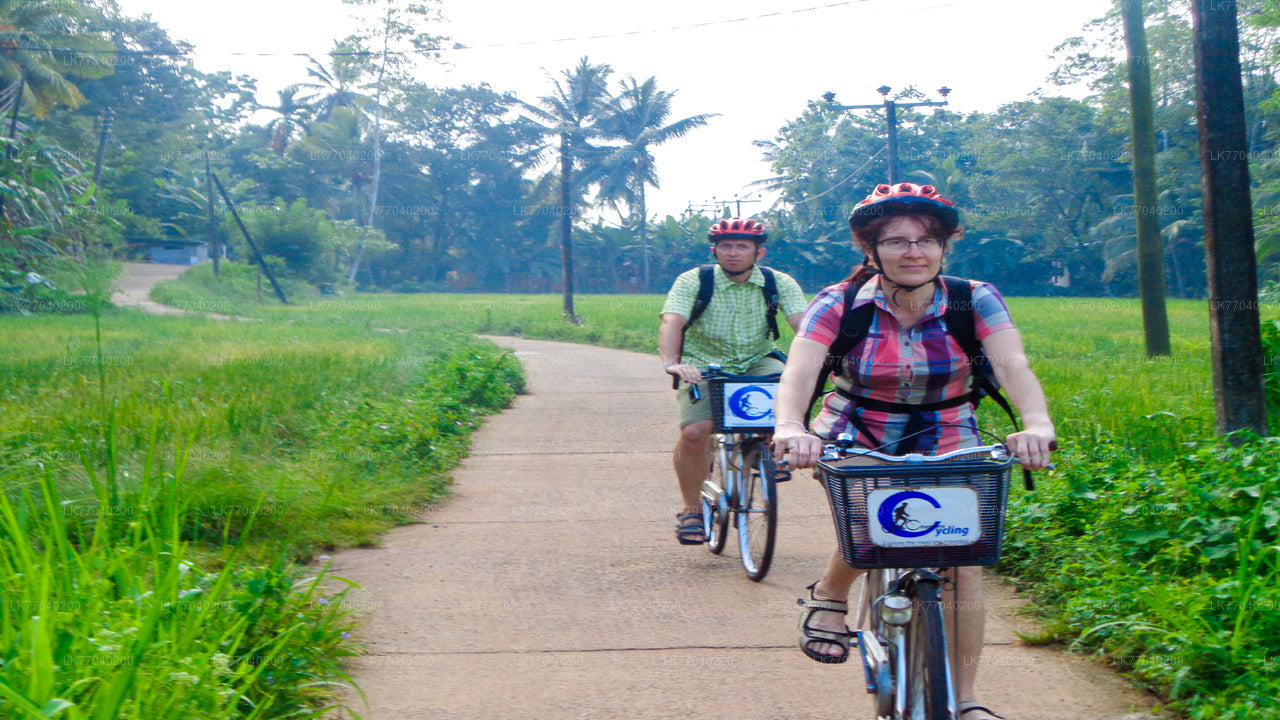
point(738, 229)
point(901, 199)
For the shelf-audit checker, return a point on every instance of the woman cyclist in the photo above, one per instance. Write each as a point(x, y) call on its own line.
point(903, 388)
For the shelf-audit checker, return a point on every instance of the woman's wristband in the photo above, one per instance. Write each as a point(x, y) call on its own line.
point(796, 422)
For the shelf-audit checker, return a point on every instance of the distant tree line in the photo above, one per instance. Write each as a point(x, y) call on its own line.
point(360, 169)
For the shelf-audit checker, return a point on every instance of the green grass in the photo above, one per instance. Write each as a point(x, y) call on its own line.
point(166, 478)
point(123, 621)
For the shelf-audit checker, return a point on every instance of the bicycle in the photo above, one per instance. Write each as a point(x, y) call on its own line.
point(907, 520)
point(743, 476)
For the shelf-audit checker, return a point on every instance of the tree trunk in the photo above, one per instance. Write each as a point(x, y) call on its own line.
point(377, 145)
point(566, 224)
point(17, 104)
point(1155, 319)
point(104, 131)
point(214, 235)
point(644, 243)
point(1238, 390)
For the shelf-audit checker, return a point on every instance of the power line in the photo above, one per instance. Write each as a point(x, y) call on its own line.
point(709, 23)
point(456, 47)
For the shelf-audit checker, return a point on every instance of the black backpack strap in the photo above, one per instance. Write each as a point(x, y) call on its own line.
point(706, 286)
point(771, 300)
point(961, 326)
point(854, 324)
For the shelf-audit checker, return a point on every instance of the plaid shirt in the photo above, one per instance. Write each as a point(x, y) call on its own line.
point(733, 330)
point(893, 364)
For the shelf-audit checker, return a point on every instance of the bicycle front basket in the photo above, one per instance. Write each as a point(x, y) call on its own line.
point(917, 514)
point(743, 404)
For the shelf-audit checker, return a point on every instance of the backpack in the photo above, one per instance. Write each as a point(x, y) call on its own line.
point(856, 322)
point(707, 286)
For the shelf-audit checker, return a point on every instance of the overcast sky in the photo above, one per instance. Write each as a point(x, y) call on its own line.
point(754, 62)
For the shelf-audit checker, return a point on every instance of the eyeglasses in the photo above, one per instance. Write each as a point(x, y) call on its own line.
point(900, 245)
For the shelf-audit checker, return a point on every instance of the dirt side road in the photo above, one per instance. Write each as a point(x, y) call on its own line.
point(133, 289)
point(551, 586)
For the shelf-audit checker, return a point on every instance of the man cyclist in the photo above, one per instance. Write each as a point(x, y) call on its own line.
point(733, 331)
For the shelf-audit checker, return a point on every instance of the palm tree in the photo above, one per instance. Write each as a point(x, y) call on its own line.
point(571, 114)
point(948, 178)
point(333, 86)
point(292, 112)
point(637, 117)
point(40, 45)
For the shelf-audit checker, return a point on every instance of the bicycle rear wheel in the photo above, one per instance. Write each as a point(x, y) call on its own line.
point(715, 504)
point(757, 509)
point(929, 686)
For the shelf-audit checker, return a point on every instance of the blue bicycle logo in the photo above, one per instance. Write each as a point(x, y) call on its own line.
point(751, 402)
point(895, 517)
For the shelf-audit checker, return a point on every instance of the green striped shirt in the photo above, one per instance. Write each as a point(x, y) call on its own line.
point(733, 331)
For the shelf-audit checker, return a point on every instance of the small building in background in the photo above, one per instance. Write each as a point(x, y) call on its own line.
point(179, 252)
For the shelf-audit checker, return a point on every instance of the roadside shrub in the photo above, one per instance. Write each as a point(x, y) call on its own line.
point(1271, 370)
point(1168, 569)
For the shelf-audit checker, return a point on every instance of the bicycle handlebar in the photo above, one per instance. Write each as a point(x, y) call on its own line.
point(843, 449)
point(996, 451)
point(716, 372)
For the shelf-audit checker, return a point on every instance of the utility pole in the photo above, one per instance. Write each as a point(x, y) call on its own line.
point(719, 205)
point(1234, 320)
point(890, 116)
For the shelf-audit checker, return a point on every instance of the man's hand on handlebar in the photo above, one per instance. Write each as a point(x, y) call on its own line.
point(687, 373)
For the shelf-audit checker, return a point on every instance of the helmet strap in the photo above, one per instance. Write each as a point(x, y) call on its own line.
point(898, 287)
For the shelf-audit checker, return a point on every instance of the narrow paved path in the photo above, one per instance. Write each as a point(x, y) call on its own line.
point(550, 585)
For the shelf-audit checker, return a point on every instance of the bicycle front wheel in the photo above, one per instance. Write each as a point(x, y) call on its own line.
point(928, 667)
point(757, 508)
point(875, 633)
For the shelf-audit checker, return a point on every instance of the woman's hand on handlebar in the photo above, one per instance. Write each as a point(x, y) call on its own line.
point(1032, 447)
point(790, 439)
point(687, 373)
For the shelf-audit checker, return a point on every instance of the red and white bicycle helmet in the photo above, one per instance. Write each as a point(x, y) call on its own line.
point(904, 198)
point(738, 229)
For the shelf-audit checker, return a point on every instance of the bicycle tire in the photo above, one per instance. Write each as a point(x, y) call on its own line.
point(757, 509)
point(715, 505)
point(928, 682)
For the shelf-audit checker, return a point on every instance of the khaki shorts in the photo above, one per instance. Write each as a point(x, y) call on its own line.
point(691, 412)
